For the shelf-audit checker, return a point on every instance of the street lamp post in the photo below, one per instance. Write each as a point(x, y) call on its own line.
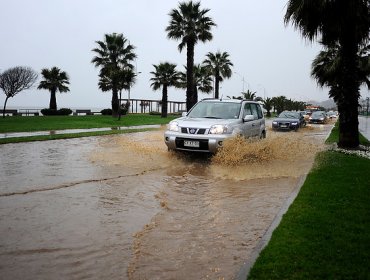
point(129, 92)
point(242, 80)
point(264, 91)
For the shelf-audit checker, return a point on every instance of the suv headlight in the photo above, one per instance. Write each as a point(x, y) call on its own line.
point(218, 129)
point(294, 123)
point(173, 126)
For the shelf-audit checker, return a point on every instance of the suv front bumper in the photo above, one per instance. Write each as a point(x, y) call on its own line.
point(206, 143)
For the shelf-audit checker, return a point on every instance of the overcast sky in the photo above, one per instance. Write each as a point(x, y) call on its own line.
point(272, 58)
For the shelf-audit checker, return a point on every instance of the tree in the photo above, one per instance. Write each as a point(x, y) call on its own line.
point(113, 55)
point(202, 80)
point(326, 69)
point(15, 80)
point(267, 104)
point(347, 24)
point(189, 24)
point(280, 103)
point(54, 80)
point(219, 65)
point(249, 95)
point(165, 75)
point(125, 79)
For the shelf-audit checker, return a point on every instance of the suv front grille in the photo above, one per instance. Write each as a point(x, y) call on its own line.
point(190, 130)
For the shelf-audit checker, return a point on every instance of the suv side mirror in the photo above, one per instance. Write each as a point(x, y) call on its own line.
point(248, 118)
point(183, 114)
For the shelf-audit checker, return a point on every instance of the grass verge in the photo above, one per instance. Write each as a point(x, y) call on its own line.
point(51, 123)
point(42, 123)
point(325, 232)
point(334, 136)
point(67, 135)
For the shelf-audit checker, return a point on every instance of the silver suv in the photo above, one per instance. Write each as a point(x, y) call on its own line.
point(211, 121)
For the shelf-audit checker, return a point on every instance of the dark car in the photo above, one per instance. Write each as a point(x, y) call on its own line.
point(318, 117)
point(288, 120)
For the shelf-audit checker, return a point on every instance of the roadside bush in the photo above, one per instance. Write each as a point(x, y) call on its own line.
point(155, 113)
point(106, 112)
point(60, 112)
point(64, 111)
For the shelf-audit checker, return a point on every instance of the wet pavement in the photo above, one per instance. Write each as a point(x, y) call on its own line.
point(123, 207)
point(364, 126)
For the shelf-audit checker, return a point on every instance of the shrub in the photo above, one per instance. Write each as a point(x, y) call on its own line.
point(155, 113)
point(106, 112)
point(53, 112)
point(64, 111)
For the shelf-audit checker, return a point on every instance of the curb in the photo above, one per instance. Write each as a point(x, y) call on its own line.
point(243, 273)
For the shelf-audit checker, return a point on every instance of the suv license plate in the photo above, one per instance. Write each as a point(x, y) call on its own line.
point(193, 144)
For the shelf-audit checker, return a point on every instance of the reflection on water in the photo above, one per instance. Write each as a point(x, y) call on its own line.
point(120, 207)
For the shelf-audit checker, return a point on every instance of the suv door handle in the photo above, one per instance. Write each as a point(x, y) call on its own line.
point(253, 124)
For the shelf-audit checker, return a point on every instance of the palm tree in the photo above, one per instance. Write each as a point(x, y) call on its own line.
point(54, 80)
point(113, 55)
point(249, 95)
point(327, 65)
point(189, 24)
point(267, 104)
point(346, 23)
point(280, 103)
point(165, 75)
point(219, 64)
point(202, 80)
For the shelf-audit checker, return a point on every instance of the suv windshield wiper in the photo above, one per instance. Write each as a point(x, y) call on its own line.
point(208, 117)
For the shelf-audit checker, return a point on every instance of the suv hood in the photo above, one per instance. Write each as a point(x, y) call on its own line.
point(204, 122)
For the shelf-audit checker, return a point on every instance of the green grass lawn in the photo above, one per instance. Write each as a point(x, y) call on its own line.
point(325, 234)
point(41, 123)
point(334, 136)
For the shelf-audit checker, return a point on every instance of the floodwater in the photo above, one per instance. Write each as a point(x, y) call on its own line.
point(123, 207)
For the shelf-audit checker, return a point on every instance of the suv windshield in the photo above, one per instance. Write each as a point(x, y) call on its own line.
point(216, 110)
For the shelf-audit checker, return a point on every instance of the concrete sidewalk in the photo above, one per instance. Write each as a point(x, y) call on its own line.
point(364, 126)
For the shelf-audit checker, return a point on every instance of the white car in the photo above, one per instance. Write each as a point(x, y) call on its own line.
point(211, 121)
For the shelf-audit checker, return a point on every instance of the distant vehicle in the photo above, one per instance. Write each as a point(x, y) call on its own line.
point(318, 117)
point(332, 115)
point(306, 115)
point(288, 120)
point(211, 121)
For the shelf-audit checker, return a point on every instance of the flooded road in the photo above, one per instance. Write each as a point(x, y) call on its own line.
point(122, 207)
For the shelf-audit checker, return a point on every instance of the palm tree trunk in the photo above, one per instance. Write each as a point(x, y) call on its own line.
point(190, 95)
point(348, 102)
point(53, 100)
point(119, 110)
point(115, 102)
point(6, 100)
point(164, 101)
point(217, 85)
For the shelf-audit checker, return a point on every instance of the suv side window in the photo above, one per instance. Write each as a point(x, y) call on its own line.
point(247, 109)
point(259, 110)
point(254, 111)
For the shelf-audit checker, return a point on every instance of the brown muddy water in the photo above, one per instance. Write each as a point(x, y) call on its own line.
point(123, 207)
